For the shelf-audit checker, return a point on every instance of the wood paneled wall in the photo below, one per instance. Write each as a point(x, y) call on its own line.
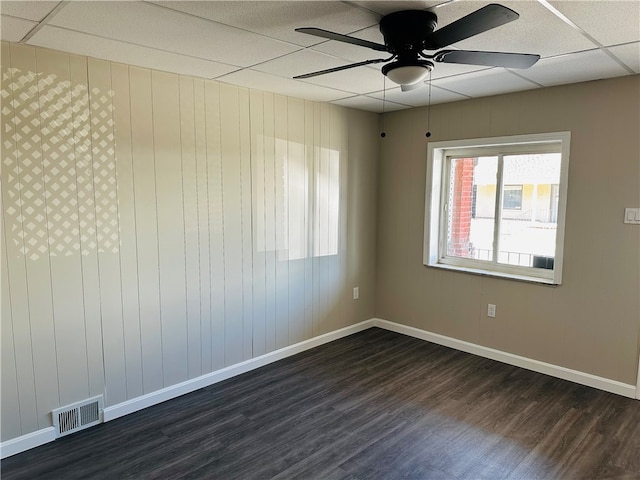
point(158, 227)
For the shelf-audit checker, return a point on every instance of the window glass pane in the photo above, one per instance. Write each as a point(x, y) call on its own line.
point(471, 207)
point(528, 230)
point(512, 197)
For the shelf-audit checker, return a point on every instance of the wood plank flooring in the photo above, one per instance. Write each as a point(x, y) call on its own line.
point(375, 405)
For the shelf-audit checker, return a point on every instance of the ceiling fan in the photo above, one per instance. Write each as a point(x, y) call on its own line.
point(408, 34)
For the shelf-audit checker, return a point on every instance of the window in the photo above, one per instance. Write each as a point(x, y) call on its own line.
point(512, 199)
point(496, 206)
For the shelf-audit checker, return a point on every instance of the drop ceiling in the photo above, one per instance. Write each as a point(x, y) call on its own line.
point(254, 43)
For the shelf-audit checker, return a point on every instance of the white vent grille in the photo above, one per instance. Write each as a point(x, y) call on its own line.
point(77, 416)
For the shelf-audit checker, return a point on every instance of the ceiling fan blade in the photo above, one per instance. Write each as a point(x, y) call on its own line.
point(318, 32)
point(488, 17)
point(343, 67)
point(490, 59)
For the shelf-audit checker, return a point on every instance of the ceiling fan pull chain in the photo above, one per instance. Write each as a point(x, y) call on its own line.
point(384, 99)
point(428, 134)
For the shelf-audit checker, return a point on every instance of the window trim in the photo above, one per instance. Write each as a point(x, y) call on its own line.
point(437, 153)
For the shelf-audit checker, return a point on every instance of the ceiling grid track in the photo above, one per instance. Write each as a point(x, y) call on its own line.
point(581, 31)
point(44, 21)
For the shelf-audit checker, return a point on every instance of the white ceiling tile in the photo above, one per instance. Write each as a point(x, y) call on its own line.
point(384, 8)
point(420, 96)
point(280, 19)
point(106, 49)
point(29, 10)
point(609, 22)
point(169, 30)
point(629, 54)
point(363, 102)
point(284, 86)
point(537, 31)
point(493, 81)
point(14, 29)
point(573, 68)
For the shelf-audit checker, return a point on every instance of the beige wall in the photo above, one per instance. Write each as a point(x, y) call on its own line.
point(591, 322)
point(132, 205)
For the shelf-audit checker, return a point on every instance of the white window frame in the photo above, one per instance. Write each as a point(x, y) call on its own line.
point(435, 225)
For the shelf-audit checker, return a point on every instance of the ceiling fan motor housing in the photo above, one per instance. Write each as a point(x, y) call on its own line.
point(405, 32)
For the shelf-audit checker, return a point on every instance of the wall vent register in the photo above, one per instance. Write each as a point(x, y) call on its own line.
point(77, 416)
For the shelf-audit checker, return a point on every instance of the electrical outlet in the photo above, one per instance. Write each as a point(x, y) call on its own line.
point(632, 215)
point(491, 310)
point(356, 293)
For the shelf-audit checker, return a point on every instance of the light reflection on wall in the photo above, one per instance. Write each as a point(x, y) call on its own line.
point(300, 189)
point(59, 166)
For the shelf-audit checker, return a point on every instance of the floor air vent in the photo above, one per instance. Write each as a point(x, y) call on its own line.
point(77, 416)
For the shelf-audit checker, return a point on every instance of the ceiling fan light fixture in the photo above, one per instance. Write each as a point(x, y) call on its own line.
point(407, 73)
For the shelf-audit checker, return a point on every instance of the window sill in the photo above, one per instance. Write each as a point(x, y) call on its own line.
point(490, 273)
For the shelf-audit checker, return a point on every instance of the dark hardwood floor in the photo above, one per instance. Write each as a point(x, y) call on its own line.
point(375, 405)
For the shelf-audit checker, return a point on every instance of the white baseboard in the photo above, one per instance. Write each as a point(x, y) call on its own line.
point(576, 376)
point(27, 442)
point(638, 385)
point(40, 437)
point(153, 398)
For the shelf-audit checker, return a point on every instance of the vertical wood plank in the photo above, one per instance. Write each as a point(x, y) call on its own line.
point(88, 250)
point(16, 81)
point(146, 228)
point(57, 139)
point(246, 213)
point(281, 221)
point(309, 261)
point(297, 216)
point(204, 238)
point(216, 224)
point(315, 219)
point(232, 201)
point(32, 161)
point(258, 206)
point(107, 229)
point(166, 127)
point(191, 230)
point(335, 258)
point(270, 248)
point(322, 211)
point(128, 225)
point(10, 400)
point(344, 291)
